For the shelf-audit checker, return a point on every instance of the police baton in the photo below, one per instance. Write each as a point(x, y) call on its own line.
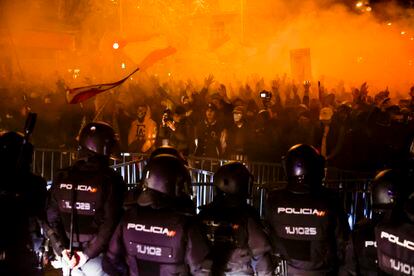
point(28, 130)
point(72, 217)
point(29, 125)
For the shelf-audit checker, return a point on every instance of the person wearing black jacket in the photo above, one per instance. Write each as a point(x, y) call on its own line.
point(361, 255)
point(159, 234)
point(22, 200)
point(239, 136)
point(97, 192)
point(308, 226)
point(176, 131)
point(395, 236)
point(209, 135)
point(236, 235)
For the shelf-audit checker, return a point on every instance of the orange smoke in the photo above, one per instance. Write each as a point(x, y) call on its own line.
point(230, 39)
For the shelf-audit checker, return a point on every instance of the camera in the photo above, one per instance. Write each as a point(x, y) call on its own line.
point(265, 95)
point(167, 116)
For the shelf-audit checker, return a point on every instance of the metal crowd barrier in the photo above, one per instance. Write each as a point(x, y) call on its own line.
point(354, 190)
point(263, 172)
point(202, 183)
point(47, 161)
point(352, 186)
point(131, 171)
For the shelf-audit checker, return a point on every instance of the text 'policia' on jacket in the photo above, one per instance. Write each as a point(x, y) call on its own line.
point(396, 248)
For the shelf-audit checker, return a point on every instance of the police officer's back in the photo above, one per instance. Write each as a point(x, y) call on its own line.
point(233, 227)
point(97, 193)
point(159, 235)
point(22, 200)
point(361, 255)
point(309, 227)
point(395, 236)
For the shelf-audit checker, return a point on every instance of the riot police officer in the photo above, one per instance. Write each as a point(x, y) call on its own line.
point(361, 256)
point(159, 235)
point(308, 225)
point(132, 194)
point(22, 200)
point(167, 150)
point(96, 192)
point(395, 237)
point(233, 227)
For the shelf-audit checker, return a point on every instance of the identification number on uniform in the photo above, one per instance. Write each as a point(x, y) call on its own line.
point(299, 232)
point(152, 251)
point(83, 207)
point(391, 264)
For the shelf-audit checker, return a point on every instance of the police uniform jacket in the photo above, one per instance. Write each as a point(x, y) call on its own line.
point(236, 238)
point(99, 193)
point(309, 230)
point(160, 238)
point(395, 241)
point(361, 252)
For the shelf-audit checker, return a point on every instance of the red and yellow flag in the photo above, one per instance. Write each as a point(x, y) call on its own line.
point(80, 94)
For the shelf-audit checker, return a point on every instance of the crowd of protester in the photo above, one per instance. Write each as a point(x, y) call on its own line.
point(238, 122)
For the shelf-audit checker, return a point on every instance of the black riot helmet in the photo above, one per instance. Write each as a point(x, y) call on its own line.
point(167, 150)
point(304, 168)
point(233, 178)
point(167, 174)
point(14, 154)
point(385, 190)
point(98, 138)
point(393, 190)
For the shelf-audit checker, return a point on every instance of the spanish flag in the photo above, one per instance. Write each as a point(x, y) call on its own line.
point(80, 94)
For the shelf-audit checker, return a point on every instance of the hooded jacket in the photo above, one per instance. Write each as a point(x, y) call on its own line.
point(142, 135)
